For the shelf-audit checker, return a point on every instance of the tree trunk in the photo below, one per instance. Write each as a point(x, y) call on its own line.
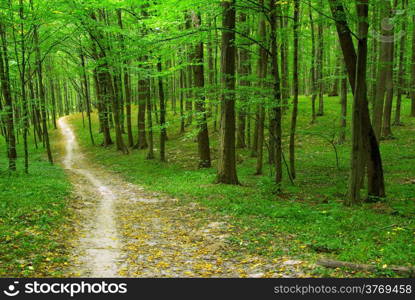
point(227, 156)
point(262, 73)
point(313, 69)
point(163, 131)
point(182, 96)
point(320, 65)
point(7, 95)
point(199, 81)
point(150, 154)
point(364, 142)
point(127, 85)
point(384, 65)
point(296, 89)
point(142, 99)
point(413, 71)
point(401, 72)
point(244, 69)
point(343, 103)
point(87, 97)
point(42, 94)
point(277, 110)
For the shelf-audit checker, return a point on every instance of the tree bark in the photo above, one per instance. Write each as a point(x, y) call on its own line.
point(412, 114)
point(227, 156)
point(402, 70)
point(199, 81)
point(313, 69)
point(364, 142)
point(343, 115)
point(244, 68)
point(277, 110)
point(296, 89)
point(163, 131)
point(262, 73)
point(7, 95)
point(42, 93)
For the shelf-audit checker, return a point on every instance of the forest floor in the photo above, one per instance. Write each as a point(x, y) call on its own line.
point(165, 215)
point(34, 217)
point(122, 230)
point(308, 220)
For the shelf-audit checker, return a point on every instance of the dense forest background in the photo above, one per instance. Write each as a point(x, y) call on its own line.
point(297, 107)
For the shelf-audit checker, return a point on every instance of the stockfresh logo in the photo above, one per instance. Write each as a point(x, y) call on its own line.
point(12, 290)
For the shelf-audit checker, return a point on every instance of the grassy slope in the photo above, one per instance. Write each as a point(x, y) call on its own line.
point(33, 210)
point(308, 219)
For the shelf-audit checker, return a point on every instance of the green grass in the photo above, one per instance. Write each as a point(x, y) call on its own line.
point(33, 211)
point(307, 220)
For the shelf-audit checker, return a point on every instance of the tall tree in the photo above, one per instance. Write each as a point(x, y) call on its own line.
point(413, 71)
point(227, 156)
point(277, 109)
point(163, 130)
point(7, 94)
point(262, 73)
point(42, 95)
point(244, 68)
point(296, 88)
point(199, 80)
point(365, 147)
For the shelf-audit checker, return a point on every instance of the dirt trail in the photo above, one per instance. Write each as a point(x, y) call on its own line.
point(125, 231)
point(99, 247)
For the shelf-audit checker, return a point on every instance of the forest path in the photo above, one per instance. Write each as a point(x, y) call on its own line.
point(124, 231)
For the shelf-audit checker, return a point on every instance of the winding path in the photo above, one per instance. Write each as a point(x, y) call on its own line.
point(99, 248)
point(124, 231)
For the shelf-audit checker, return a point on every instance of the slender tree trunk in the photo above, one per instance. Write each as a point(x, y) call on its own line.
point(401, 72)
point(127, 86)
point(285, 86)
point(383, 72)
point(142, 99)
point(387, 113)
point(343, 103)
point(320, 65)
point(182, 96)
point(163, 131)
point(199, 81)
point(277, 110)
point(262, 72)
point(87, 97)
point(150, 153)
point(413, 71)
point(7, 95)
point(296, 89)
point(313, 69)
point(42, 94)
point(244, 82)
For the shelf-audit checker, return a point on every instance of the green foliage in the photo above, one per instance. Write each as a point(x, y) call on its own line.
point(33, 216)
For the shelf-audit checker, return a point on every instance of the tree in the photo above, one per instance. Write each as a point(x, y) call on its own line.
point(413, 71)
point(6, 90)
point(262, 74)
point(227, 156)
point(199, 80)
point(277, 109)
point(42, 95)
point(163, 130)
point(296, 89)
point(365, 147)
